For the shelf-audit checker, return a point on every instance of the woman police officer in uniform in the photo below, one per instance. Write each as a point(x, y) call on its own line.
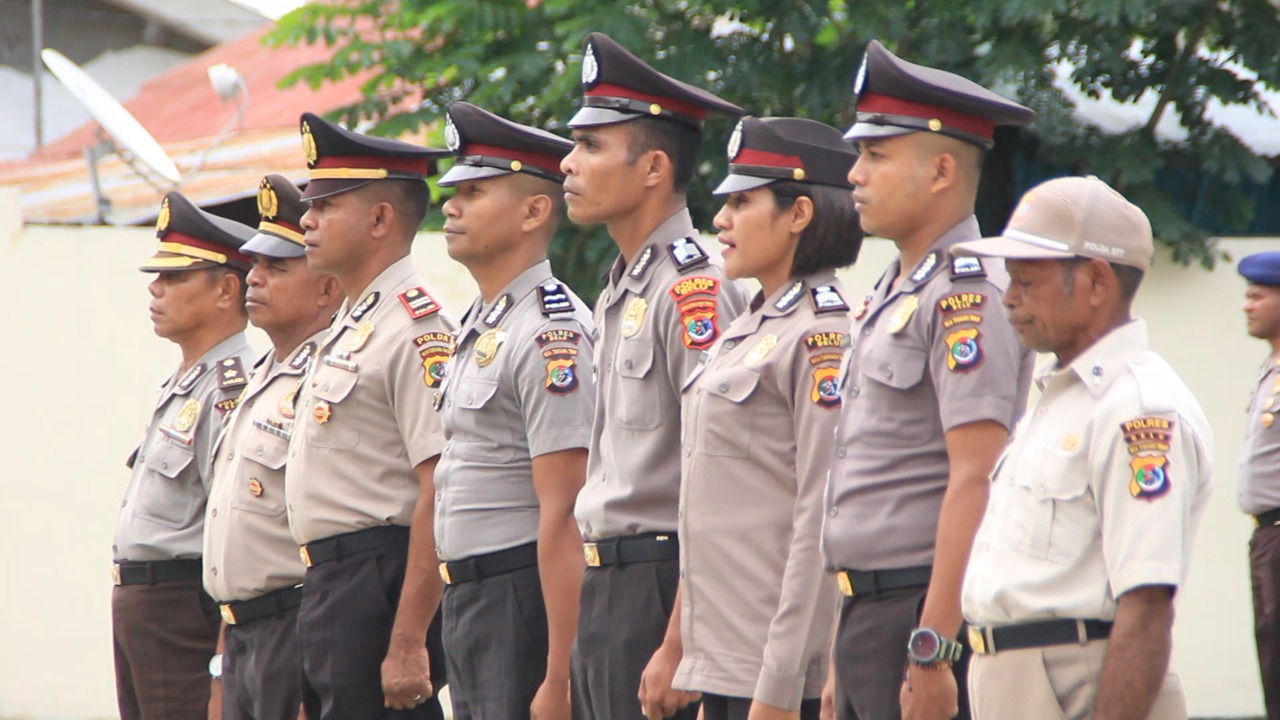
point(756, 607)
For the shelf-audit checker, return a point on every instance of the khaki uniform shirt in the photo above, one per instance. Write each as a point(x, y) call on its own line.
point(1258, 489)
point(519, 386)
point(162, 515)
point(756, 605)
point(364, 415)
point(935, 354)
point(653, 320)
point(1100, 490)
point(248, 549)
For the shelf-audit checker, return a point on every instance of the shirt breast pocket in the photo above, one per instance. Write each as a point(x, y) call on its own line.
point(480, 430)
point(896, 398)
point(169, 501)
point(724, 425)
point(638, 405)
point(1053, 515)
point(267, 498)
point(335, 422)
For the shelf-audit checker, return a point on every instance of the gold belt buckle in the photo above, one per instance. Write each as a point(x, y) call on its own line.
point(444, 574)
point(977, 640)
point(115, 574)
point(306, 556)
point(846, 587)
point(591, 552)
point(228, 615)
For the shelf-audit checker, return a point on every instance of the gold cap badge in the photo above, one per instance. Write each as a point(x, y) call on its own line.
point(268, 203)
point(309, 145)
point(162, 220)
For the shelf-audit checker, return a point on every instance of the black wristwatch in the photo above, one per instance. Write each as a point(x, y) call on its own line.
point(928, 649)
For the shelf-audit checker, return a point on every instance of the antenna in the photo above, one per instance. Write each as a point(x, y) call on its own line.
point(124, 131)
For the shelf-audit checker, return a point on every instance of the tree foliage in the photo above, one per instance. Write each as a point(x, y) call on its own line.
point(520, 58)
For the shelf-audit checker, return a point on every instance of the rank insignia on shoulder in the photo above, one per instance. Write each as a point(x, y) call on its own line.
point(498, 311)
point(642, 264)
point(555, 298)
point(418, 302)
point(827, 299)
point(963, 350)
point(964, 267)
point(231, 373)
point(789, 298)
point(687, 253)
point(369, 302)
point(562, 374)
point(188, 381)
point(698, 284)
point(303, 355)
point(926, 267)
point(826, 387)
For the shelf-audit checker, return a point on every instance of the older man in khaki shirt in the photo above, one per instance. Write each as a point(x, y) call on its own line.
point(1095, 503)
point(251, 563)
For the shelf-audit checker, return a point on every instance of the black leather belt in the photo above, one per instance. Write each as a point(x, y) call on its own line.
point(153, 573)
point(276, 602)
point(627, 549)
point(1042, 633)
point(877, 582)
point(340, 546)
point(1270, 517)
point(484, 566)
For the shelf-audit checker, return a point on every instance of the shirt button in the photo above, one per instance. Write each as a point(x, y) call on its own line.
point(888, 373)
point(688, 451)
point(123, 503)
point(841, 451)
point(627, 363)
point(215, 571)
point(682, 574)
point(728, 344)
point(259, 449)
point(866, 330)
point(1040, 412)
point(231, 455)
point(165, 465)
point(293, 453)
point(854, 391)
point(833, 511)
point(214, 512)
point(439, 495)
point(724, 387)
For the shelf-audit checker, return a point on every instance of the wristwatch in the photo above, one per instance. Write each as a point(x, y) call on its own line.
point(215, 667)
point(928, 649)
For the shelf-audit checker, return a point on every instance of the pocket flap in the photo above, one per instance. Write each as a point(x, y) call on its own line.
point(334, 384)
point(168, 459)
point(473, 394)
point(896, 365)
point(266, 449)
point(635, 358)
point(734, 386)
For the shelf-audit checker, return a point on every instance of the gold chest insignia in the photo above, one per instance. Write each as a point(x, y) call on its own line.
point(760, 350)
point(363, 331)
point(633, 317)
point(187, 416)
point(487, 346)
point(902, 314)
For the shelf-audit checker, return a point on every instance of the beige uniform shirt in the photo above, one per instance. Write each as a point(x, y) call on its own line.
point(519, 386)
point(1258, 489)
point(248, 549)
point(935, 354)
point(653, 320)
point(162, 515)
point(364, 415)
point(1100, 490)
point(756, 605)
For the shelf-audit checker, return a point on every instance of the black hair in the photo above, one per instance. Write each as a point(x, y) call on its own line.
point(412, 200)
point(679, 141)
point(833, 237)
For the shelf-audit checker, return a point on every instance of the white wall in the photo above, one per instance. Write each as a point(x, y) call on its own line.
point(80, 366)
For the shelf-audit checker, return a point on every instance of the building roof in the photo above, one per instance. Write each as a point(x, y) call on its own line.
point(206, 21)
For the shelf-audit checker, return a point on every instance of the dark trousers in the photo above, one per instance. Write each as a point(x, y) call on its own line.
point(164, 636)
point(1264, 563)
point(344, 629)
point(621, 623)
point(262, 669)
point(720, 707)
point(871, 655)
point(495, 643)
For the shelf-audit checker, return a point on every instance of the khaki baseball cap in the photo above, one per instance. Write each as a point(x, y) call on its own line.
point(1071, 217)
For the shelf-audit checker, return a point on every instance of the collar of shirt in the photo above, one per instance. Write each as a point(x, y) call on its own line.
point(1099, 365)
point(236, 344)
point(515, 291)
point(389, 279)
point(652, 252)
point(762, 308)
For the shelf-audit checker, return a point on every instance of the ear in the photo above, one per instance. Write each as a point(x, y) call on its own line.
point(657, 168)
point(330, 291)
point(537, 210)
point(382, 217)
point(944, 172)
point(1102, 282)
point(801, 214)
point(230, 292)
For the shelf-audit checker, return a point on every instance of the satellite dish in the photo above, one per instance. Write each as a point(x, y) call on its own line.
point(119, 123)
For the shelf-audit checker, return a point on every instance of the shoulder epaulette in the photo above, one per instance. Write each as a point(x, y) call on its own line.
point(826, 299)
point(555, 298)
point(231, 373)
point(686, 253)
point(965, 267)
point(188, 381)
point(419, 302)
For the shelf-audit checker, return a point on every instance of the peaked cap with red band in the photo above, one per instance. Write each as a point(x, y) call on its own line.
point(340, 160)
point(896, 97)
point(618, 86)
point(765, 150)
point(281, 207)
point(487, 145)
point(192, 239)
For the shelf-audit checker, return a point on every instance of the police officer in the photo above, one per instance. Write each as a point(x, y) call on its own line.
point(251, 563)
point(1259, 489)
point(757, 607)
point(636, 142)
point(933, 383)
point(164, 626)
point(1095, 504)
point(365, 440)
point(517, 409)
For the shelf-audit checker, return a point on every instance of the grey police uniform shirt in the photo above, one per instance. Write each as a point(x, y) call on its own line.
point(935, 354)
point(248, 549)
point(162, 515)
point(757, 607)
point(365, 416)
point(519, 386)
point(653, 320)
point(1258, 489)
point(1100, 490)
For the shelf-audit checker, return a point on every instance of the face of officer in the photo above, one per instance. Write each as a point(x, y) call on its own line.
point(759, 237)
point(1062, 306)
point(895, 177)
point(1262, 311)
point(345, 231)
point(285, 294)
point(604, 180)
point(489, 217)
point(184, 300)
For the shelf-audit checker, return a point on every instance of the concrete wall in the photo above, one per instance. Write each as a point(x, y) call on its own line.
point(80, 366)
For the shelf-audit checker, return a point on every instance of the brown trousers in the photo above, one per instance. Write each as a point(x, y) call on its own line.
point(1264, 563)
point(164, 636)
point(1052, 683)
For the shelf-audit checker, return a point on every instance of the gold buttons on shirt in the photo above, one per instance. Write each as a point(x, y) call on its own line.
point(1268, 420)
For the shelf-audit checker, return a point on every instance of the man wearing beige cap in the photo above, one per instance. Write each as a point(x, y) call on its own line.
point(1088, 532)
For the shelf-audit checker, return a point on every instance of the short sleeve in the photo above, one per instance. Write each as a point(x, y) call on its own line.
point(555, 387)
point(414, 370)
point(979, 370)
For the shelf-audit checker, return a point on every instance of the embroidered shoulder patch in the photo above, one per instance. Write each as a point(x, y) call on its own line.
point(231, 373)
point(826, 387)
point(962, 301)
point(558, 336)
point(964, 267)
point(964, 351)
point(418, 302)
point(1149, 439)
point(698, 284)
point(435, 349)
point(224, 407)
point(826, 341)
point(699, 323)
point(827, 299)
point(687, 253)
